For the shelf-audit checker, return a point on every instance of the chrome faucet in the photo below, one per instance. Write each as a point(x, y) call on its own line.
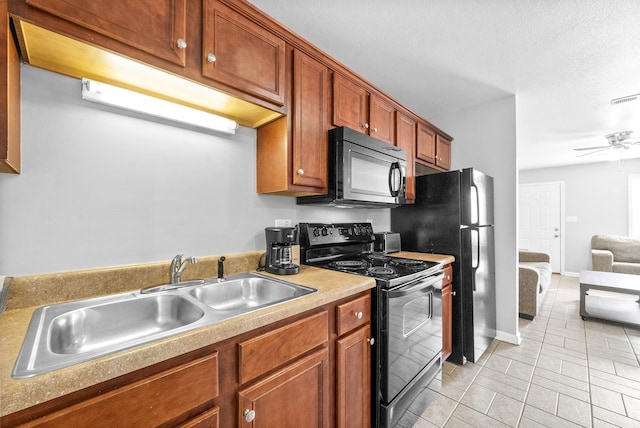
point(178, 266)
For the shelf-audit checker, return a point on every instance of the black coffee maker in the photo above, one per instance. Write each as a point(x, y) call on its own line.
point(279, 243)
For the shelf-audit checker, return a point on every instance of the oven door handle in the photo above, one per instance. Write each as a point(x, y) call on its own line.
point(420, 284)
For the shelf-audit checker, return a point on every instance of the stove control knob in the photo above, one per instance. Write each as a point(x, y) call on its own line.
point(356, 230)
point(325, 232)
point(316, 232)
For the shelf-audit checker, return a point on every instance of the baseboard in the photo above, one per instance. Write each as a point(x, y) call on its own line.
point(576, 274)
point(515, 339)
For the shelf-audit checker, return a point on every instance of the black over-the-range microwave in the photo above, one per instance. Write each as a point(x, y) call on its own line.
point(364, 172)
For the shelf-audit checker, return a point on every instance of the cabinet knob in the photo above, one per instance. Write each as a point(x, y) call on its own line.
point(371, 341)
point(182, 43)
point(300, 171)
point(453, 293)
point(365, 126)
point(358, 315)
point(211, 57)
point(375, 129)
point(249, 415)
point(448, 277)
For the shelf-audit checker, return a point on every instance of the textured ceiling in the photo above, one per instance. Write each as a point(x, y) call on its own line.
point(563, 59)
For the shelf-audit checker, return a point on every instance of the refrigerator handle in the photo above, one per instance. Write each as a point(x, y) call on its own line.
point(475, 205)
point(475, 253)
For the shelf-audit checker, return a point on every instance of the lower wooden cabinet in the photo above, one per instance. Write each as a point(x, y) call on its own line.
point(296, 396)
point(447, 303)
point(353, 379)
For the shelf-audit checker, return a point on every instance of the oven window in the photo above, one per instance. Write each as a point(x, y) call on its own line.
point(416, 313)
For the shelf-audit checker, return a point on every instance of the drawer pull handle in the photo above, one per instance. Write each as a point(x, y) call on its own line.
point(359, 315)
point(249, 415)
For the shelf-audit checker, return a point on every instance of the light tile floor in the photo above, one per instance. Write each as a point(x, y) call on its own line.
point(566, 373)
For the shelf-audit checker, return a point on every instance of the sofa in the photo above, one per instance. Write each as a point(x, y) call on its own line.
point(612, 253)
point(534, 273)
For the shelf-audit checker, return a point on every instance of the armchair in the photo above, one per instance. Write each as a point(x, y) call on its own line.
point(534, 272)
point(612, 253)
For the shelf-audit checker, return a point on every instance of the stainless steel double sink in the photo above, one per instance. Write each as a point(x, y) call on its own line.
point(69, 333)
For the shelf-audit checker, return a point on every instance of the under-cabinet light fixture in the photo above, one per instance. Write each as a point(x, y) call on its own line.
point(114, 96)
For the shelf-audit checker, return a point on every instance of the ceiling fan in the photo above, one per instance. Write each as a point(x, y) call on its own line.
point(617, 141)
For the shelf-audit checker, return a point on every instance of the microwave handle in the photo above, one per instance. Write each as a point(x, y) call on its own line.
point(395, 179)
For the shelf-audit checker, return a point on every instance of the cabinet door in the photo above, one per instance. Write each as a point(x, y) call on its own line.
point(297, 396)
point(311, 94)
point(242, 54)
point(350, 104)
point(10, 98)
point(353, 379)
point(426, 144)
point(447, 302)
point(382, 119)
point(406, 139)
point(443, 152)
point(149, 25)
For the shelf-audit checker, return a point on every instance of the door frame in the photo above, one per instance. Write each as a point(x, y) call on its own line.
point(561, 222)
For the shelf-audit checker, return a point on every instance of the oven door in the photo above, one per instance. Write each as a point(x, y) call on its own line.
point(411, 332)
point(371, 176)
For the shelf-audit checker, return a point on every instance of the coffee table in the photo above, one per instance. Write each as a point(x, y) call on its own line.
point(610, 308)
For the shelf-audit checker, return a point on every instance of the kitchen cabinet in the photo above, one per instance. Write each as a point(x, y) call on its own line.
point(406, 128)
point(292, 151)
point(10, 98)
point(162, 398)
point(295, 396)
point(355, 108)
point(432, 148)
point(443, 152)
point(157, 28)
point(299, 390)
point(447, 307)
point(353, 363)
point(242, 54)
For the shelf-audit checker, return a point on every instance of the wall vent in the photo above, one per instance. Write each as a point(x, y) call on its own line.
point(626, 99)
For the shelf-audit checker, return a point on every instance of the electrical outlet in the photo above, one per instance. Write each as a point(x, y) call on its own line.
point(281, 222)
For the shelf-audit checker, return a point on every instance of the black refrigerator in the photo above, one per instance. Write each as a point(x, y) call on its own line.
point(453, 214)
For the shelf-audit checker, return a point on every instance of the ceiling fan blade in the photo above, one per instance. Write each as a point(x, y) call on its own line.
point(592, 148)
point(593, 152)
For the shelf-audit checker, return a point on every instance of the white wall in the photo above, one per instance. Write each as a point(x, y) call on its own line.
point(597, 194)
point(103, 189)
point(485, 139)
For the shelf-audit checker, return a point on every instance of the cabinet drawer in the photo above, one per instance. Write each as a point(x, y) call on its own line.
point(448, 275)
point(268, 351)
point(208, 419)
point(353, 314)
point(147, 403)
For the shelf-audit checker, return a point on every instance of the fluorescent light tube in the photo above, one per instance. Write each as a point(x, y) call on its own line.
point(114, 96)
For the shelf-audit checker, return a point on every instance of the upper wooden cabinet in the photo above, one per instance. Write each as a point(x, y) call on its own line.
point(292, 151)
point(426, 144)
point(158, 28)
point(355, 108)
point(10, 98)
point(406, 128)
point(432, 148)
point(242, 54)
point(443, 152)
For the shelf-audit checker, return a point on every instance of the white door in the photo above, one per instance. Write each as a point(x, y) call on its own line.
point(540, 220)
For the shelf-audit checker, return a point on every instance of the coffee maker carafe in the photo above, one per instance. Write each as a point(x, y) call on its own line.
point(279, 243)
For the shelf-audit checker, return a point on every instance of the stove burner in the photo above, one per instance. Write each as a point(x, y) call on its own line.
point(379, 270)
point(349, 264)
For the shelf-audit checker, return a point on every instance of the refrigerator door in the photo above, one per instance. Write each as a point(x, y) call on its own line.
point(477, 198)
point(478, 291)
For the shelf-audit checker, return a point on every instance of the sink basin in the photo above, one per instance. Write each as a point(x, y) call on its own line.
point(74, 332)
point(247, 291)
point(105, 326)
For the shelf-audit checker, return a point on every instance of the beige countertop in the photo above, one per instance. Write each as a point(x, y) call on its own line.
point(18, 394)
